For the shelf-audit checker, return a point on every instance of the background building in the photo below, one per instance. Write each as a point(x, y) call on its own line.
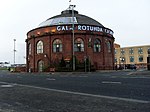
point(133, 55)
point(54, 42)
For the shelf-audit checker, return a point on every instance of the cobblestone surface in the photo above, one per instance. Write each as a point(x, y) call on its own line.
point(23, 99)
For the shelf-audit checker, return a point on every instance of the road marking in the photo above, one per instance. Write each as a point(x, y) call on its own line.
point(110, 82)
point(6, 86)
point(83, 76)
point(50, 79)
point(78, 93)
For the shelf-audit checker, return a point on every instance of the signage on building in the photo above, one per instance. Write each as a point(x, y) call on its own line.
point(84, 28)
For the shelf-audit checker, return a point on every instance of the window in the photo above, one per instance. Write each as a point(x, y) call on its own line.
point(115, 60)
point(122, 59)
point(131, 59)
point(140, 50)
point(109, 46)
point(140, 58)
point(57, 45)
point(79, 45)
point(131, 51)
point(39, 47)
point(97, 45)
point(29, 47)
point(122, 52)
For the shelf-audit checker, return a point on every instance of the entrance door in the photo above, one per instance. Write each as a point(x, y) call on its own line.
point(40, 66)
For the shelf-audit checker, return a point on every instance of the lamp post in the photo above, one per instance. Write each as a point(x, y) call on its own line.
point(123, 60)
point(73, 61)
point(85, 59)
point(14, 51)
point(89, 64)
point(120, 65)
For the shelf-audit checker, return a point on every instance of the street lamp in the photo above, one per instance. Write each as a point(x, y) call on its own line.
point(73, 61)
point(122, 60)
point(14, 51)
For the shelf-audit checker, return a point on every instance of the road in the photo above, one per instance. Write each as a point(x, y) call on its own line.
point(127, 89)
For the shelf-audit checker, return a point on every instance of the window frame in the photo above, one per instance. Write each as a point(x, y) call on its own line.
point(39, 47)
point(140, 50)
point(108, 43)
point(131, 51)
point(131, 59)
point(29, 49)
point(57, 45)
point(79, 45)
point(122, 51)
point(139, 59)
point(97, 45)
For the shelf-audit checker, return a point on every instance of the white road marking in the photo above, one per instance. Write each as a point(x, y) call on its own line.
point(83, 76)
point(78, 93)
point(110, 82)
point(50, 79)
point(6, 86)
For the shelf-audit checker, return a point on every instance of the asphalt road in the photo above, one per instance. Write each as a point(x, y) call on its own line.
point(121, 91)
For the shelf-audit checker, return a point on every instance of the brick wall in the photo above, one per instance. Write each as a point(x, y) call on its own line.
point(101, 60)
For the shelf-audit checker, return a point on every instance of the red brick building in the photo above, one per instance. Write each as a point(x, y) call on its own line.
point(52, 41)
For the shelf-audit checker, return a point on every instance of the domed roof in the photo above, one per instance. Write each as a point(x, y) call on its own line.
point(66, 18)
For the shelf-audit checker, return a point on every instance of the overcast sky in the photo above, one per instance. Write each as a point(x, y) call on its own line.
point(129, 19)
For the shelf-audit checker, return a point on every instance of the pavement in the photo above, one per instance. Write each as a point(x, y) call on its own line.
point(132, 72)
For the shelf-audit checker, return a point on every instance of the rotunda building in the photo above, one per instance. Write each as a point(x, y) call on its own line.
point(67, 39)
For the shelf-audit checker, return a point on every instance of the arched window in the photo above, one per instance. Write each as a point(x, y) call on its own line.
point(39, 47)
point(57, 45)
point(79, 45)
point(29, 48)
point(108, 46)
point(40, 66)
point(97, 45)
